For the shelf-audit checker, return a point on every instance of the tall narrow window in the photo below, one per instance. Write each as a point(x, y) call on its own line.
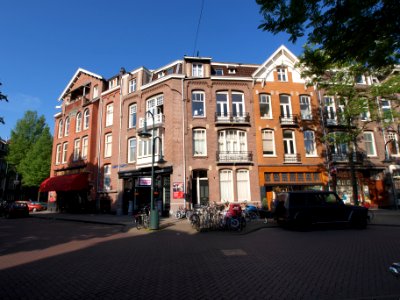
point(286, 107)
point(238, 104)
point(85, 145)
point(393, 145)
point(65, 152)
point(86, 115)
point(78, 122)
point(95, 91)
point(66, 129)
point(226, 185)
point(309, 143)
point(198, 104)
point(58, 154)
point(222, 105)
point(60, 128)
point(330, 110)
point(243, 185)
point(305, 107)
point(265, 106)
point(369, 143)
point(107, 177)
point(132, 116)
point(199, 142)
point(197, 70)
point(108, 145)
point(109, 114)
point(77, 149)
point(282, 74)
point(386, 110)
point(132, 85)
point(131, 150)
point(288, 142)
point(268, 142)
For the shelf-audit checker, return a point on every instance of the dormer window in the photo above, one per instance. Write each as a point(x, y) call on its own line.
point(112, 83)
point(219, 72)
point(161, 74)
point(132, 85)
point(282, 74)
point(232, 71)
point(197, 70)
point(95, 91)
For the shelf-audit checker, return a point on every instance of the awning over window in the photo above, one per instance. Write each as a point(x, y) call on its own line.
point(73, 182)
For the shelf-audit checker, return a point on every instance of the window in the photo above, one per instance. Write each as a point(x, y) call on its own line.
point(109, 114)
point(132, 116)
point(113, 83)
point(144, 148)
point(132, 85)
point(285, 106)
point(60, 128)
point(232, 141)
point(309, 143)
point(243, 185)
point(231, 71)
point(108, 145)
point(198, 104)
point(78, 122)
point(85, 142)
point(154, 105)
point(393, 145)
point(95, 91)
point(64, 154)
point(222, 104)
point(305, 108)
point(131, 150)
point(282, 75)
point(107, 177)
point(265, 106)
point(219, 72)
point(199, 142)
point(386, 110)
point(329, 109)
point(77, 149)
point(288, 142)
point(365, 114)
point(197, 70)
point(86, 115)
point(369, 143)
point(66, 129)
point(160, 74)
point(226, 185)
point(237, 104)
point(58, 154)
point(268, 142)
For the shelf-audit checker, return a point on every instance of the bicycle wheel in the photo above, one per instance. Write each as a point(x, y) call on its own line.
point(234, 224)
point(146, 221)
point(138, 222)
point(195, 220)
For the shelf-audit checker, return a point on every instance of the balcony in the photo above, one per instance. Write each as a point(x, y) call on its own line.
point(232, 118)
point(292, 158)
point(234, 156)
point(344, 158)
point(158, 121)
point(289, 120)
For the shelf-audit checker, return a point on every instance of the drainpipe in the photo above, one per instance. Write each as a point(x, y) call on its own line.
point(100, 122)
point(183, 142)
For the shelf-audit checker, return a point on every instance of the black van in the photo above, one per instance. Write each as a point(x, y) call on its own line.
point(306, 208)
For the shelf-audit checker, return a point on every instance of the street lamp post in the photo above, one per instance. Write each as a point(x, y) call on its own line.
point(154, 218)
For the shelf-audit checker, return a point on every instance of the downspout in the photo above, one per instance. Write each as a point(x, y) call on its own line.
point(183, 142)
point(100, 122)
point(119, 195)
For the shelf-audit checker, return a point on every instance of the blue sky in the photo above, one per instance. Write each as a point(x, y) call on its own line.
point(44, 42)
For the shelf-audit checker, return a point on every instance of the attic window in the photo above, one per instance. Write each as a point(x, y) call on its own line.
point(112, 83)
point(161, 74)
point(232, 71)
point(282, 73)
point(219, 72)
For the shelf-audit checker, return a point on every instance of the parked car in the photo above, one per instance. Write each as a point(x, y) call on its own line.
point(306, 208)
point(35, 206)
point(16, 209)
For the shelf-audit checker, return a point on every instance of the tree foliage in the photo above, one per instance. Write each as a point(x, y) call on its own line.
point(2, 98)
point(28, 138)
point(362, 32)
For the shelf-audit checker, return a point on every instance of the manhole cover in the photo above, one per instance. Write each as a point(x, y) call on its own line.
point(233, 252)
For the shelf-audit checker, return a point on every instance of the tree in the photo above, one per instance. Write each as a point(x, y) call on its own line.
point(362, 32)
point(27, 132)
point(2, 98)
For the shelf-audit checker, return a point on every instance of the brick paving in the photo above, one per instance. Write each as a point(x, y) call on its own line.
point(55, 259)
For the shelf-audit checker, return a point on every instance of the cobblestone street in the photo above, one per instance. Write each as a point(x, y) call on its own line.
point(53, 259)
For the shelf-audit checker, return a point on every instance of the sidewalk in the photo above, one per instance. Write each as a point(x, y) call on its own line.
point(382, 217)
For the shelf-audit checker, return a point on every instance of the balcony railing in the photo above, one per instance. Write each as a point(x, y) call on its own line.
point(234, 156)
point(357, 157)
point(292, 158)
point(158, 120)
point(289, 120)
point(232, 118)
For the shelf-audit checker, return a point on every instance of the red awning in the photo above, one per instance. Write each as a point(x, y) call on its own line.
point(73, 182)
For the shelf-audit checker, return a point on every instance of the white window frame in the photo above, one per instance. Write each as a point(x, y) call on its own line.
point(285, 108)
point(60, 128)
point(58, 154)
point(223, 106)
point(265, 101)
point(330, 109)
point(107, 177)
point(108, 145)
point(238, 108)
point(132, 115)
point(85, 147)
point(369, 143)
point(232, 140)
point(199, 142)
point(66, 126)
point(268, 137)
point(394, 146)
point(282, 74)
point(243, 185)
point(289, 143)
point(198, 99)
point(77, 149)
point(226, 185)
point(132, 149)
point(95, 91)
point(310, 146)
point(78, 122)
point(197, 70)
point(132, 85)
point(109, 114)
point(305, 107)
point(64, 153)
point(86, 116)
point(386, 106)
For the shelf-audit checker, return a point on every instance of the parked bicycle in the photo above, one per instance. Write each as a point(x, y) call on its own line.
point(142, 219)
